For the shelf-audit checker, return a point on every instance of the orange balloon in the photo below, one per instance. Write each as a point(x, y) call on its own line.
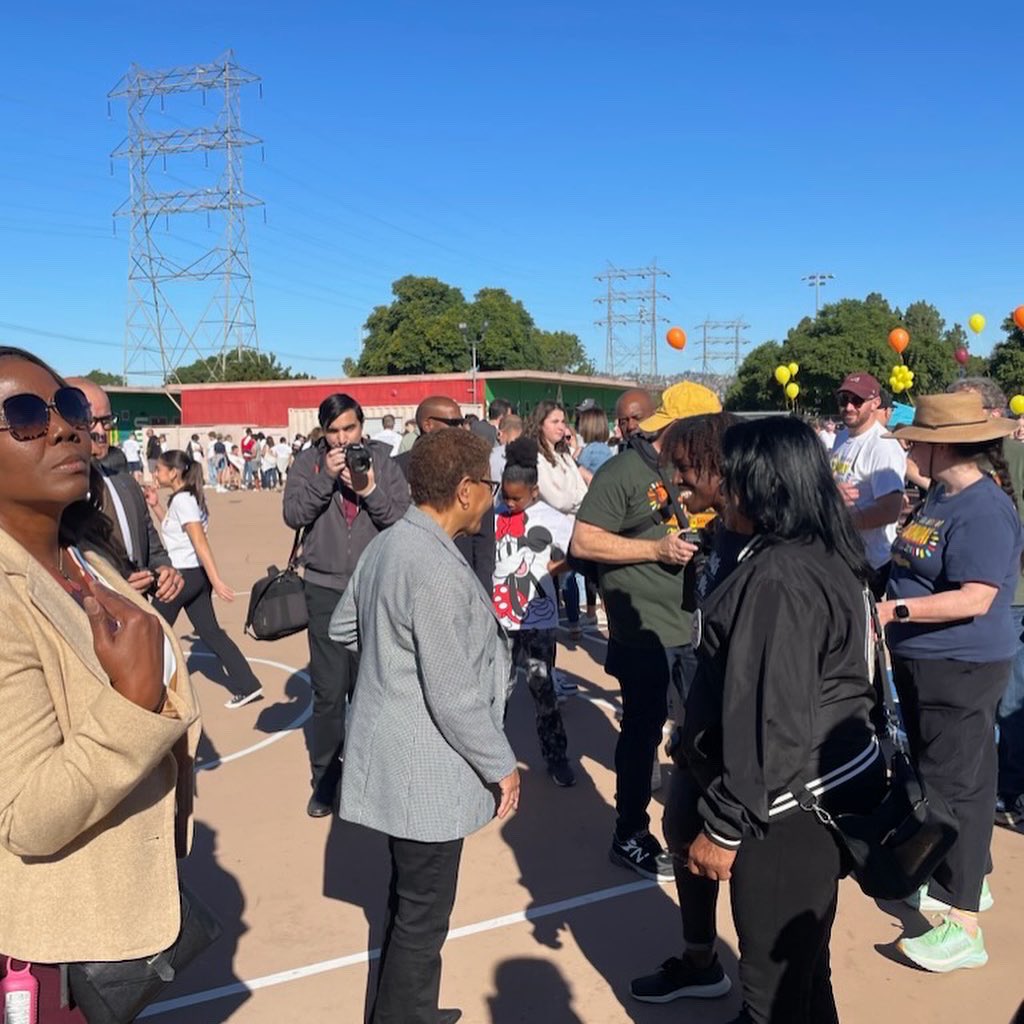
point(898, 340)
point(676, 337)
point(1018, 317)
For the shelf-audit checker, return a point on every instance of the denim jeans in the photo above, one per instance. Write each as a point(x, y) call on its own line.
point(1010, 720)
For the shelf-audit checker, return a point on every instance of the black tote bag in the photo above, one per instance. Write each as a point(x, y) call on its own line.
point(277, 602)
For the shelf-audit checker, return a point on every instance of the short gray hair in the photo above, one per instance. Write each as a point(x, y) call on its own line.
point(992, 397)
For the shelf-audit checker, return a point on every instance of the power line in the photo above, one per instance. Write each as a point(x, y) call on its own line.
point(718, 347)
point(641, 307)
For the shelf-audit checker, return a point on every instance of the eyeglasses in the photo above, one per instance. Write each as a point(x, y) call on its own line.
point(449, 421)
point(494, 485)
point(106, 422)
point(844, 398)
point(27, 417)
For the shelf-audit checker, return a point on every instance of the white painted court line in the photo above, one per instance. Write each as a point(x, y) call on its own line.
point(324, 966)
point(287, 729)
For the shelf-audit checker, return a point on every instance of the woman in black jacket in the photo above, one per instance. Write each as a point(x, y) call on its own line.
point(781, 701)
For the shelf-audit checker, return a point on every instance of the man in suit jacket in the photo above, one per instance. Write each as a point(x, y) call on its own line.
point(437, 413)
point(125, 506)
point(426, 760)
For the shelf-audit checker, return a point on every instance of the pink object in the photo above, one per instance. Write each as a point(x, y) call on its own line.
point(961, 355)
point(20, 990)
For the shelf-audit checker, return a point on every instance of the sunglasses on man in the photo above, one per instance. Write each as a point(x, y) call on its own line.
point(449, 421)
point(27, 416)
point(844, 398)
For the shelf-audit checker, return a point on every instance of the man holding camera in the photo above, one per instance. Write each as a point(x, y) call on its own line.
point(341, 492)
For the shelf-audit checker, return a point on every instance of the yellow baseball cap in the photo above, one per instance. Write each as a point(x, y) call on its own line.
point(678, 402)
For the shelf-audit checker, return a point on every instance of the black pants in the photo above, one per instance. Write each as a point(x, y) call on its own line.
point(196, 601)
point(533, 652)
point(332, 669)
point(878, 580)
point(949, 711)
point(420, 901)
point(643, 675)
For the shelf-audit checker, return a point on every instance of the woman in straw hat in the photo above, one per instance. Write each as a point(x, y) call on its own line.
point(952, 637)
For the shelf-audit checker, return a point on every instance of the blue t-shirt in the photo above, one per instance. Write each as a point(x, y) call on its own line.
point(595, 455)
point(970, 537)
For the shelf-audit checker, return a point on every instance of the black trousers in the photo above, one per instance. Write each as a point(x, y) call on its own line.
point(196, 601)
point(332, 670)
point(643, 675)
point(420, 901)
point(949, 711)
point(533, 653)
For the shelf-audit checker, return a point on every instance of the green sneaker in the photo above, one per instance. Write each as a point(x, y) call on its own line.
point(947, 947)
point(920, 900)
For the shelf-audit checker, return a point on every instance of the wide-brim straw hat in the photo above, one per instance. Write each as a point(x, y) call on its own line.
point(959, 418)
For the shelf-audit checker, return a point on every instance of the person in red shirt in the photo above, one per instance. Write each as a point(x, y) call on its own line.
point(248, 458)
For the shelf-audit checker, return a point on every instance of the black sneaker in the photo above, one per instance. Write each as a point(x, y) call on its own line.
point(643, 854)
point(239, 700)
point(1010, 813)
point(676, 979)
point(561, 773)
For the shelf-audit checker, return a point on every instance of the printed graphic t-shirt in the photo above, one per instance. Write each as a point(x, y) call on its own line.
point(970, 537)
point(643, 600)
point(877, 465)
point(525, 542)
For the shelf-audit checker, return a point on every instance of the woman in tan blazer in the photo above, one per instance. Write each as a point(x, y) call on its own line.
point(98, 721)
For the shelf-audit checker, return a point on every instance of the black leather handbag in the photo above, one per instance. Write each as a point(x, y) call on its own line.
point(894, 850)
point(277, 602)
point(116, 992)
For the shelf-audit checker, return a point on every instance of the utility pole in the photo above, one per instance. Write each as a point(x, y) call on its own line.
point(473, 370)
point(722, 341)
point(641, 308)
point(168, 324)
point(817, 282)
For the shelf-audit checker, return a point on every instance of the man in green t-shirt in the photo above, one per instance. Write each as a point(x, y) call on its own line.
point(626, 524)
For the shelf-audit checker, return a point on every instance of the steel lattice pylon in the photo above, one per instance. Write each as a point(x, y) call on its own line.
point(187, 299)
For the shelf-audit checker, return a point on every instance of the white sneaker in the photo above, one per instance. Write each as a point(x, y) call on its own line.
point(239, 700)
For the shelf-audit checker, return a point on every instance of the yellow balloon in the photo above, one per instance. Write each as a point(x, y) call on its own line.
point(792, 390)
point(782, 375)
point(794, 369)
point(976, 323)
point(1017, 405)
point(897, 386)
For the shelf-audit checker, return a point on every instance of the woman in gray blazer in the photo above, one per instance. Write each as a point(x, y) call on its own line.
point(426, 760)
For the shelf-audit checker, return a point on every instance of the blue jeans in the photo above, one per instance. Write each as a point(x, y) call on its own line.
point(1010, 719)
point(248, 472)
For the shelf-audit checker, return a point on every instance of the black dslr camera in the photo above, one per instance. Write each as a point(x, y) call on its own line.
point(358, 458)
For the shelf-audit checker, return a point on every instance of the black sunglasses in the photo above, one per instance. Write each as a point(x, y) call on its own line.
point(844, 398)
point(27, 417)
point(449, 421)
point(106, 422)
point(494, 485)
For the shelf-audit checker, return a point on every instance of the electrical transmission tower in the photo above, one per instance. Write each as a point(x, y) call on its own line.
point(718, 346)
point(188, 299)
point(641, 359)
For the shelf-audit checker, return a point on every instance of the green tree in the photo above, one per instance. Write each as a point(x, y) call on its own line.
point(104, 379)
point(249, 366)
point(1006, 364)
point(430, 328)
point(848, 335)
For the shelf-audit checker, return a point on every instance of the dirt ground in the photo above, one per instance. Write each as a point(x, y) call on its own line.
point(545, 929)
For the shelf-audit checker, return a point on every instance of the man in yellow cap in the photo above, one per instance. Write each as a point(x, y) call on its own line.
point(627, 525)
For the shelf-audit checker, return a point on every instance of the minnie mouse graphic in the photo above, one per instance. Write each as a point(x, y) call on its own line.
point(521, 559)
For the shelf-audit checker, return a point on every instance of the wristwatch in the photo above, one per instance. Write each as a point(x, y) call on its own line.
point(900, 610)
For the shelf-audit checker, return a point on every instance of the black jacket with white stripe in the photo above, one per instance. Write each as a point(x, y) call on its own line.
point(782, 695)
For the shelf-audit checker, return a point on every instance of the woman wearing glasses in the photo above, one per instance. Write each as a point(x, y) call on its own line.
point(426, 759)
point(94, 699)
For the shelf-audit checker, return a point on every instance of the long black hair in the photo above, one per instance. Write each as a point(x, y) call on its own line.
point(521, 462)
point(82, 523)
point(191, 476)
point(776, 471)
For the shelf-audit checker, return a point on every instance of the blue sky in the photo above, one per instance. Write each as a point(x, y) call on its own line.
point(526, 145)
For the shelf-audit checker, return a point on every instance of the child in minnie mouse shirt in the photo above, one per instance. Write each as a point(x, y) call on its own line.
point(531, 541)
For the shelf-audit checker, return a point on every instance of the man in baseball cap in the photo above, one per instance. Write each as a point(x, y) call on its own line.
point(869, 470)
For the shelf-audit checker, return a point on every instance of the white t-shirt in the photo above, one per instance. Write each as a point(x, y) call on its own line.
point(282, 453)
point(391, 437)
point(183, 508)
point(878, 466)
point(524, 591)
point(132, 449)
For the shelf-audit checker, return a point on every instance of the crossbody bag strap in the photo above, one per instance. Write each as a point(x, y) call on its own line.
point(300, 536)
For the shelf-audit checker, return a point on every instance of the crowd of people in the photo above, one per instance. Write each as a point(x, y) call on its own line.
point(703, 542)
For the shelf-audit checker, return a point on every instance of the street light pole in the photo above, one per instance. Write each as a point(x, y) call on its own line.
point(473, 370)
point(817, 281)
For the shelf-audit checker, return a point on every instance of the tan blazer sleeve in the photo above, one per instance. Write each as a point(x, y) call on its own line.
point(53, 787)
